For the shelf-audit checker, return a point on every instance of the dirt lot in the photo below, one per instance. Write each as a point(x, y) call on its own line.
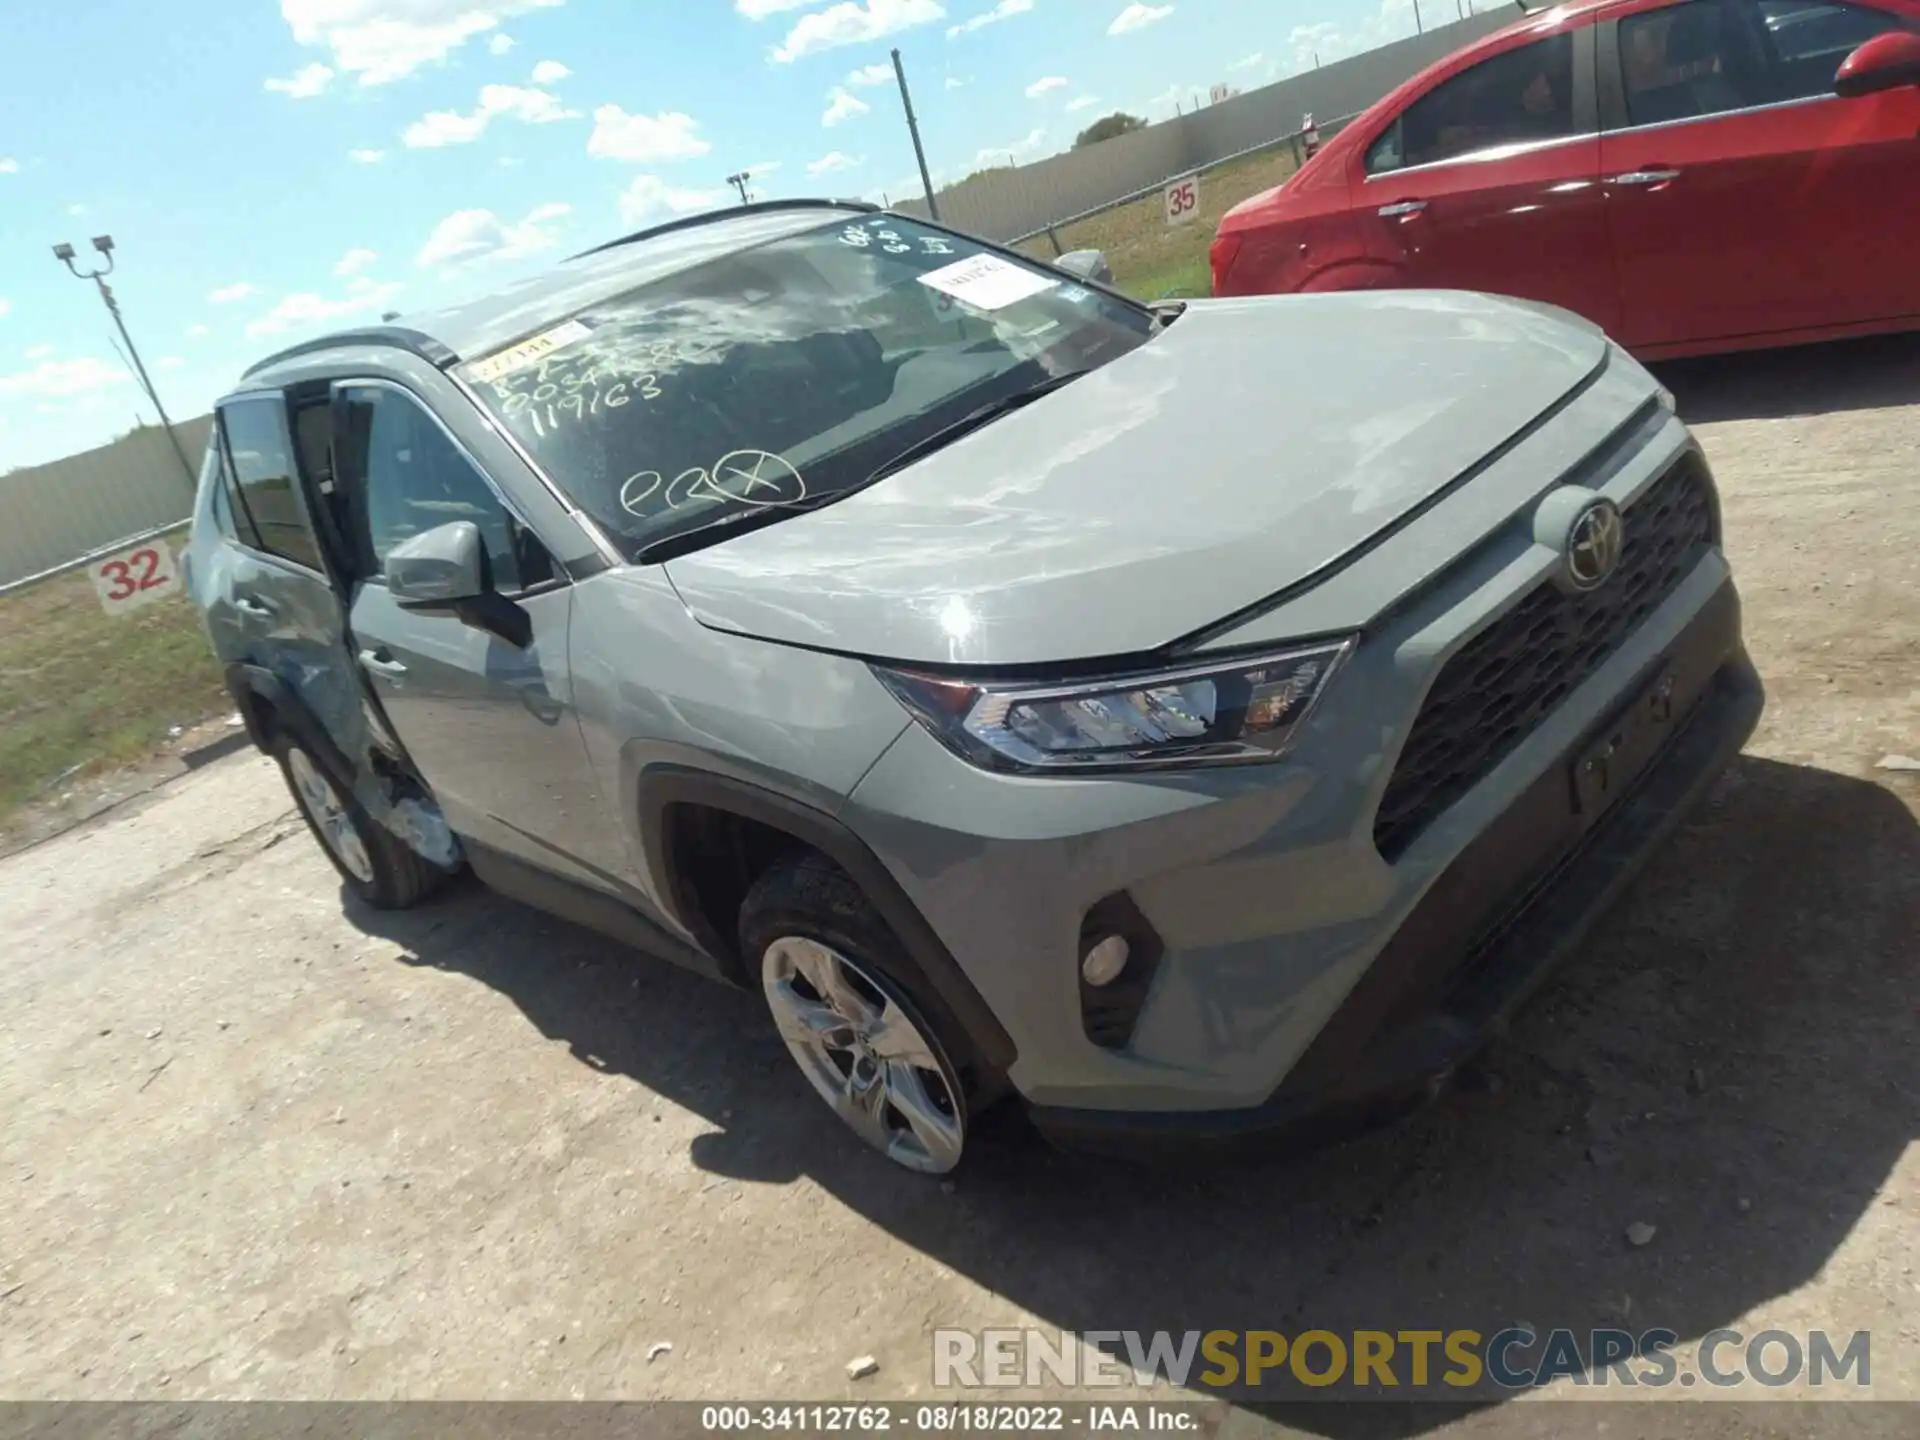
point(259, 1144)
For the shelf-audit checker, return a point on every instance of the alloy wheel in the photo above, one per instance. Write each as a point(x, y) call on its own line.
point(865, 1055)
point(329, 815)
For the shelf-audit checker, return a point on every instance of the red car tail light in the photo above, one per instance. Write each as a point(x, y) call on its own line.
point(1225, 248)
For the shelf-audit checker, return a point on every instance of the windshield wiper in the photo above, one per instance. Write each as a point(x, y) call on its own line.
point(972, 420)
point(700, 536)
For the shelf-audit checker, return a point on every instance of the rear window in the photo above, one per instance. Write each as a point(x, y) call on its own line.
point(787, 372)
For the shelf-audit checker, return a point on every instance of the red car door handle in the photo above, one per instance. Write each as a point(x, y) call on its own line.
point(1402, 207)
point(1646, 177)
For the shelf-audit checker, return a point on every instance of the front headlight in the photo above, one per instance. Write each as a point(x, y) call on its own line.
point(1245, 708)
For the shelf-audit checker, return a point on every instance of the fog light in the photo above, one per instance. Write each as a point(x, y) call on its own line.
point(1103, 963)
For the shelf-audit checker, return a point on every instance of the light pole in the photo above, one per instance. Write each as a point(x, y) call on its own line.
point(739, 182)
point(913, 129)
point(63, 252)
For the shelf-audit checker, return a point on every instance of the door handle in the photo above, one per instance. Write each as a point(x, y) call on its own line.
point(1401, 207)
point(251, 605)
point(381, 662)
point(1646, 177)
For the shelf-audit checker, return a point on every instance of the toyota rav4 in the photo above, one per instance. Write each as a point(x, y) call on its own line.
point(1198, 721)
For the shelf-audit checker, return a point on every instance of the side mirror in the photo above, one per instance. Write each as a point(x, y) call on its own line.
point(1885, 62)
point(1086, 265)
point(445, 569)
point(438, 567)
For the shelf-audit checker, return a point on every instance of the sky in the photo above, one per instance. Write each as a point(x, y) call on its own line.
point(271, 169)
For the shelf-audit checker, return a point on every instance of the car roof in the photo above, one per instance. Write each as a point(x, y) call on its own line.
point(485, 324)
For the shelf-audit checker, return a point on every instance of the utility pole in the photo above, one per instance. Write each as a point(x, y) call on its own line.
point(1418, 28)
point(63, 252)
point(739, 182)
point(913, 129)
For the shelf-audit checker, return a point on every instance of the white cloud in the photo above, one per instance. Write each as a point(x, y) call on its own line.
point(1247, 62)
point(227, 294)
point(834, 162)
point(549, 72)
point(1082, 102)
point(1005, 10)
point(9, 165)
point(171, 362)
point(39, 352)
point(198, 332)
point(868, 76)
point(354, 260)
point(993, 155)
point(853, 22)
point(304, 83)
point(366, 157)
point(644, 139)
point(378, 41)
point(469, 236)
point(842, 107)
point(497, 102)
point(647, 195)
point(52, 378)
point(953, 84)
point(76, 211)
point(761, 9)
point(500, 43)
point(761, 168)
point(1042, 86)
point(297, 311)
point(1138, 17)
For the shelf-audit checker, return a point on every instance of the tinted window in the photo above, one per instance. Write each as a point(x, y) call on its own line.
point(417, 479)
point(217, 484)
point(1808, 41)
point(256, 433)
point(787, 372)
point(1518, 96)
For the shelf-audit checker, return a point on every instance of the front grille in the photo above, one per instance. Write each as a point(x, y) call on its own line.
point(1511, 676)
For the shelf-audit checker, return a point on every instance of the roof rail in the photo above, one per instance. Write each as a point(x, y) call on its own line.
point(707, 217)
point(416, 342)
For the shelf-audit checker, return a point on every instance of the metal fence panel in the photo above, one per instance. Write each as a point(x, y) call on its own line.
point(1003, 204)
point(52, 514)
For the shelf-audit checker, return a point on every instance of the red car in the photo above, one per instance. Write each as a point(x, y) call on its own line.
point(1708, 175)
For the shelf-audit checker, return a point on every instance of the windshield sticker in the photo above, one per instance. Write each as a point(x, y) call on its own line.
point(527, 352)
point(986, 282)
point(758, 479)
point(1073, 294)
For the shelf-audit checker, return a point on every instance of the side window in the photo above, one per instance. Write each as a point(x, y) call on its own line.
point(1809, 40)
point(1517, 96)
point(1699, 58)
point(262, 458)
point(1384, 154)
point(221, 505)
point(416, 478)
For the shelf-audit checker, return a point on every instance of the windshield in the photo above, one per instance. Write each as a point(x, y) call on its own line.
point(785, 374)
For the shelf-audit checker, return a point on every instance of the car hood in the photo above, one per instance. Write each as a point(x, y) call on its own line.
point(1249, 445)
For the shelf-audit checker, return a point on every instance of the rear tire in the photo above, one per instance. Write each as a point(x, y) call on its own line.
point(869, 1035)
point(375, 864)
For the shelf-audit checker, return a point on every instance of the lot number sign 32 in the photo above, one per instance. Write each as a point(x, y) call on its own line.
point(1182, 199)
point(135, 576)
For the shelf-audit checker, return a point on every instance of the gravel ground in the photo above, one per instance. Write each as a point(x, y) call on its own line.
point(259, 1144)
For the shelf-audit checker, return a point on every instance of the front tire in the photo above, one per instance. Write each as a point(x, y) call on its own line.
point(838, 986)
point(376, 864)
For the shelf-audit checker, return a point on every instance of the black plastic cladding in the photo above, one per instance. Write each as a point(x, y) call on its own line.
point(1498, 688)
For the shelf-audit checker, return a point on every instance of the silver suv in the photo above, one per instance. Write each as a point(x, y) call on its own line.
point(1201, 721)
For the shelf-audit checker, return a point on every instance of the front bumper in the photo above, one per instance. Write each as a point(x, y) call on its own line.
point(1482, 939)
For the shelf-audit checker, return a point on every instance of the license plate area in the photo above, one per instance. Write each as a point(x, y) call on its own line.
point(1607, 765)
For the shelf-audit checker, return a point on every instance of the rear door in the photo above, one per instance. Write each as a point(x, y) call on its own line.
point(1488, 181)
point(279, 594)
point(1743, 197)
point(490, 725)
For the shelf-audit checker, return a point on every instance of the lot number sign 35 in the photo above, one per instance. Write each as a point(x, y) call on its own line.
point(135, 576)
point(1182, 199)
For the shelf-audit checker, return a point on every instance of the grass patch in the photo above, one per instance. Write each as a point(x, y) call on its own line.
point(81, 688)
point(1153, 260)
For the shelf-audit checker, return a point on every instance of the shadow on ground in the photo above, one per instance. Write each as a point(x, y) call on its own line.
point(1804, 380)
point(1728, 1058)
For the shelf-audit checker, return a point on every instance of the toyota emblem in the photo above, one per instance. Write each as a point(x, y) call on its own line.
point(1594, 543)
